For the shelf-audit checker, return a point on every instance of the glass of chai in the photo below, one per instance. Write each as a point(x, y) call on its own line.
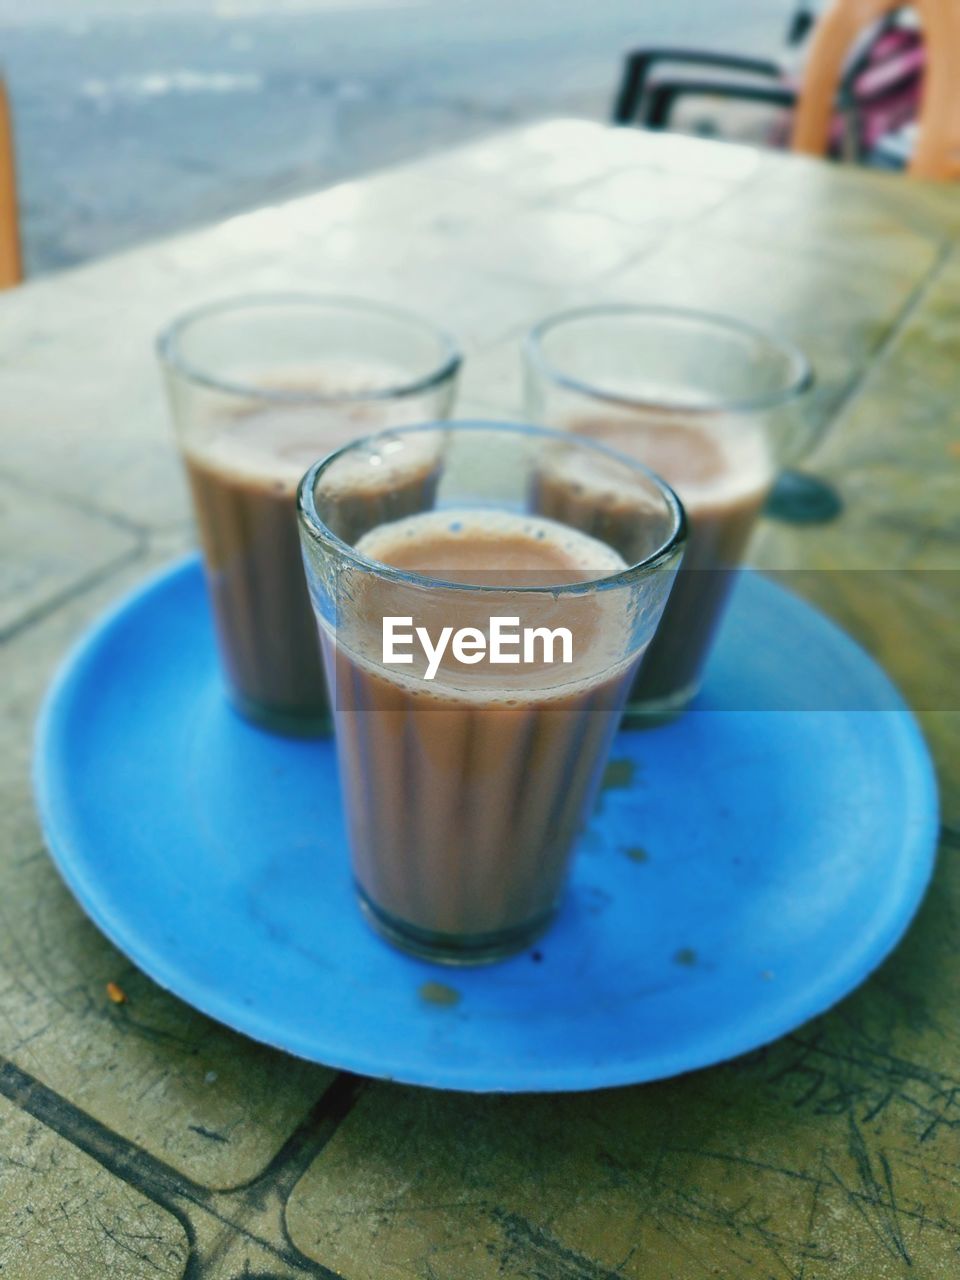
point(479, 653)
point(259, 387)
point(706, 402)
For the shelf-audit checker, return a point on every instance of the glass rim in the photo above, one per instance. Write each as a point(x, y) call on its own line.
point(324, 536)
point(170, 353)
point(801, 379)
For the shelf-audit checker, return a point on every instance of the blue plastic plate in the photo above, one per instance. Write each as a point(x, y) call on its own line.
point(744, 869)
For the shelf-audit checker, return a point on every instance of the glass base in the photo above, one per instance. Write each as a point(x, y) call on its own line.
point(452, 948)
point(292, 724)
point(648, 713)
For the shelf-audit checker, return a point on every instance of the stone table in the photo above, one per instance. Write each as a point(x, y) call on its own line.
point(139, 1139)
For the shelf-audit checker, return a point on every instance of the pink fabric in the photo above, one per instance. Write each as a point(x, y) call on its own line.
point(893, 77)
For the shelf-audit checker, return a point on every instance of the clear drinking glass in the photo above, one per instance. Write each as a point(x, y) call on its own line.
point(465, 789)
point(259, 387)
point(708, 403)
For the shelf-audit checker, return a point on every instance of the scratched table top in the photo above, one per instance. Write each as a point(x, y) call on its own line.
point(139, 1139)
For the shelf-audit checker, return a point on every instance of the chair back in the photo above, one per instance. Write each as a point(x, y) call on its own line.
point(11, 265)
point(937, 153)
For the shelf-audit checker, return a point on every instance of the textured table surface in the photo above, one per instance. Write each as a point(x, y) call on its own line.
point(139, 1139)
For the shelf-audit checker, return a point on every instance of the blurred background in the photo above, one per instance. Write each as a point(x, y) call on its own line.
point(138, 118)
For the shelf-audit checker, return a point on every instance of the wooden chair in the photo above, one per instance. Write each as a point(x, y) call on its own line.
point(11, 263)
point(937, 153)
point(835, 34)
